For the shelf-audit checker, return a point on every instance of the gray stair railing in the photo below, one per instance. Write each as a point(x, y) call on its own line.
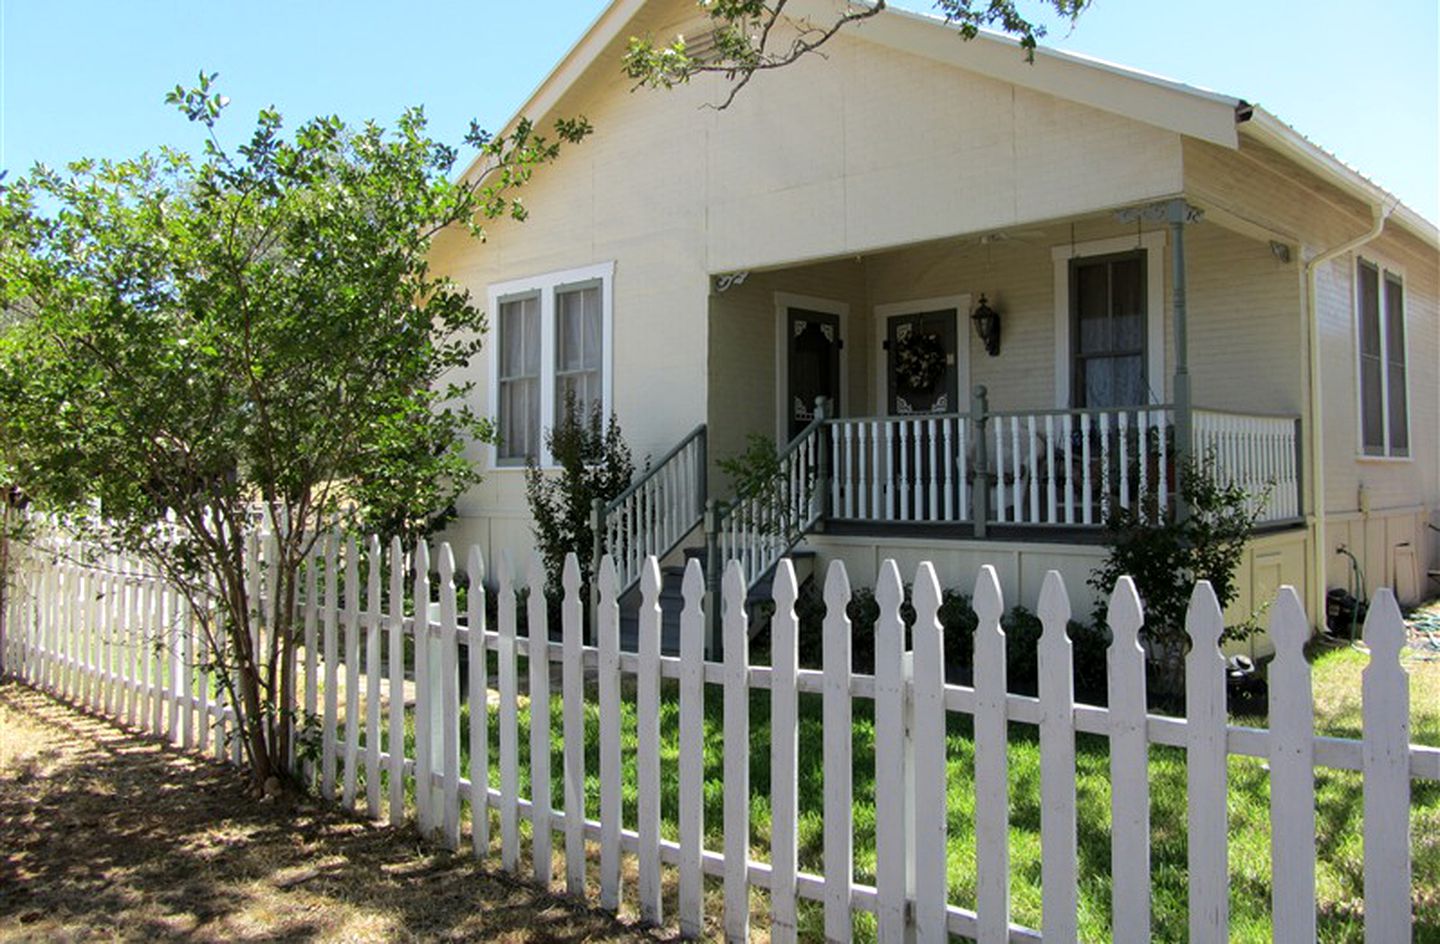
point(657, 510)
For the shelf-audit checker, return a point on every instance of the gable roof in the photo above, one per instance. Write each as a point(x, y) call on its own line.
point(1158, 101)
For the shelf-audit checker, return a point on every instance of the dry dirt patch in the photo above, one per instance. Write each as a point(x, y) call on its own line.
point(107, 836)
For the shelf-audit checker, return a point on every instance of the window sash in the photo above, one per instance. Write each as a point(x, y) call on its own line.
point(1380, 347)
point(1108, 325)
point(518, 337)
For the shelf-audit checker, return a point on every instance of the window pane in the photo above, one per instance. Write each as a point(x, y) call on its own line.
point(1371, 419)
point(592, 331)
point(1399, 432)
point(1111, 381)
point(1369, 309)
point(1394, 320)
point(1126, 291)
point(1092, 300)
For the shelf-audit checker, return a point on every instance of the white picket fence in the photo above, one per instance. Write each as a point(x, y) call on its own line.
point(108, 636)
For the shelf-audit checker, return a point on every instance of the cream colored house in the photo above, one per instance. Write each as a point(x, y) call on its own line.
point(836, 231)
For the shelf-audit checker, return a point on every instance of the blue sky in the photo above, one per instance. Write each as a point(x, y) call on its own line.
point(87, 79)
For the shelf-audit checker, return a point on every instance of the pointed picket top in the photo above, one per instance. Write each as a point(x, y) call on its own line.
point(693, 586)
point(505, 574)
point(733, 588)
point(783, 587)
point(397, 555)
point(570, 576)
point(1384, 627)
point(446, 565)
point(352, 553)
point(1125, 615)
point(650, 582)
point(988, 600)
point(372, 550)
point(475, 570)
point(837, 588)
point(535, 575)
point(1288, 626)
point(422, 563)
point(889, 590)
point(1204, 622)
point(608, 579)
point(927, 599)
point(1054, 608)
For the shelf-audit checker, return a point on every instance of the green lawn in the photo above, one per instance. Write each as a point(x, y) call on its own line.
point(1339, 872)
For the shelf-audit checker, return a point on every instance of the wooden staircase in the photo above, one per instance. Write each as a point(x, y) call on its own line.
point(672, 578)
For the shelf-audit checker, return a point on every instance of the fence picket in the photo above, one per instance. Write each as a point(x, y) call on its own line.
point(352, 673)
point(187, 678)
point(541, 836)
point(1205, 768)
point(692, 752)
point(608, 619)
point(395, 732)
point(890, 826)
point(1292, 773)
point(784, 756)
point(425, 694)
point(374, 563)
point(477, 664)
point(1385, 701)
point(928, 862)
point(1059, 871)
point(1129, 768)
point(992, 786)
point(836, 713)
point(332, 676)
point(736, 755)
point(312, 653)
point(509, 724)
point(449, 702)
point(647, 743)
point(573, 709)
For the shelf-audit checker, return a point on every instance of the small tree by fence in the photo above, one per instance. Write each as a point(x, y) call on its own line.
point(110, 636)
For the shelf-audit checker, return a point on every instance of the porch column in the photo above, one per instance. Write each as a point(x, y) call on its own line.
point(1176, 214)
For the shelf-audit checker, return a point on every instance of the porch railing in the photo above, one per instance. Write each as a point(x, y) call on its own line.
point(655, 513)
point(1048, 467)
point(1259, 453)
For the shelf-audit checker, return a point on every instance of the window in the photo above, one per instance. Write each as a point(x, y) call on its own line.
point(1108, 329)
point(1110, 321)
point(1384, 407)
point(552, 337)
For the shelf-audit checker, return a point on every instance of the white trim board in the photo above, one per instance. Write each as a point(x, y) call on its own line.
point(883, 314)
point(784, 301)
point(545, 286)
point(1153, 243)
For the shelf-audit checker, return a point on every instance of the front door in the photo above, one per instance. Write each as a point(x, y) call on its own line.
point(813, 341)
point(922, 376)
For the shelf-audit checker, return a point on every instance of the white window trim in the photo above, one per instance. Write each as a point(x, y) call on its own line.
point(784, 301)
point(1384, 267)
point(883, 314)
point(546, 286)
point(1153, 243)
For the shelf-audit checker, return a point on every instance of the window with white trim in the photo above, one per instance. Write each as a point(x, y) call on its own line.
point(552, 340)
point(1384, 403)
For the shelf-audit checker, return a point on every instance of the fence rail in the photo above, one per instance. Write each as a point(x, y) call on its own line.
point(109, 636)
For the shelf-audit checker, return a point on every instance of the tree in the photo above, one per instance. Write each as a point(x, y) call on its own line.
point(256, 328)
point(752, 36)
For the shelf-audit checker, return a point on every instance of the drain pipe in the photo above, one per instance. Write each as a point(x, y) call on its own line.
point(1317, 438)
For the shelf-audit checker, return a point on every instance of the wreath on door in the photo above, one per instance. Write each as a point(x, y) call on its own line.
point(919, 361)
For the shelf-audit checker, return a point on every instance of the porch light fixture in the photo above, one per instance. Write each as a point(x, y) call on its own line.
point(987, 325)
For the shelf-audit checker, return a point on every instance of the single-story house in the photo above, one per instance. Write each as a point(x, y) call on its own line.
point(1128, 266)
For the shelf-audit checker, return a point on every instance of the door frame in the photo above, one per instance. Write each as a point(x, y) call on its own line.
point(883, 314)
point(784, 301)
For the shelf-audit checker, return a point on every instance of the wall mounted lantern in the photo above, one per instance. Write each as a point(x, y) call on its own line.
point(987, 325)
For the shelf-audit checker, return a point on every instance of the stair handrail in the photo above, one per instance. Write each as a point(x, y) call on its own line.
point(761, 525)
point(655, 512)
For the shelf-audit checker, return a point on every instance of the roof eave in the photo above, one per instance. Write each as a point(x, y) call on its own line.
point(1271, 131)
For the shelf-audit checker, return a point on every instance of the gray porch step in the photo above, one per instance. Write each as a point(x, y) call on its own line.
point(672, 580)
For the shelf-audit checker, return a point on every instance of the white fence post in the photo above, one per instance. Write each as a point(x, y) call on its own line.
point(1129, 768)
point(692, 753)
point(929, 856)
point(1385, 699)
point(647, 746)
point(479, 656)
point(1059, 873)
point(509, 725)
point(992, 784)
point(573, 711)
point(737, 756)
point(890, 735)
point(838, 778)
point(608, 612)
point(784, 754)
point(1205, 769)
point(1292, 773)
point(538, 643)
